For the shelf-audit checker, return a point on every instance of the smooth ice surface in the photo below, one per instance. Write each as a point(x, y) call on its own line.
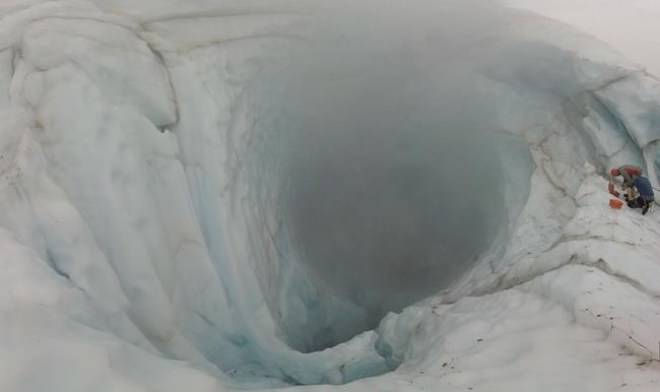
point(176, 181)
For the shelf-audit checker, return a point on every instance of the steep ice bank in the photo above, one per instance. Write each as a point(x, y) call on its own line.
point(150, 215)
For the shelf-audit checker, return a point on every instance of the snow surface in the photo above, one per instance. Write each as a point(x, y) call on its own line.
point(144, 243)
point(630, 27)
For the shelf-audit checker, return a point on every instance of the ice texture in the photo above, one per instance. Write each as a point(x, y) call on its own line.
point(208, 196)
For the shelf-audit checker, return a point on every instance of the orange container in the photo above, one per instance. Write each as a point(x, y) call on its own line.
point(616, 204)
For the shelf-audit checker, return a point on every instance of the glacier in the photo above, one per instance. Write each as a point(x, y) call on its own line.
point(215, 195)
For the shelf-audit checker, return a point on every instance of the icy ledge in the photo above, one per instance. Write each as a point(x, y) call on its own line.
point(134, 260)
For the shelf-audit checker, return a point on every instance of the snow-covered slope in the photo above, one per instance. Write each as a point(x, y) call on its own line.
point(165, 225)
point(630, 27)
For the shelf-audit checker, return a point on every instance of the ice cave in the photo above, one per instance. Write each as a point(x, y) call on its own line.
point(211, 195)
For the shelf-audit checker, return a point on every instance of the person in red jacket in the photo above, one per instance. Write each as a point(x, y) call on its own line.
point(629, 174)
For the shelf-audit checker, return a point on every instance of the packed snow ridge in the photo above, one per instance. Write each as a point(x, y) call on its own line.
point(207, 196)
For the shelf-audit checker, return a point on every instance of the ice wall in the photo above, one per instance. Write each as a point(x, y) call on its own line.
point(177, 181)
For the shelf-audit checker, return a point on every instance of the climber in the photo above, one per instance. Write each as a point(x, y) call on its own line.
point(628, 172)
point(640, 195)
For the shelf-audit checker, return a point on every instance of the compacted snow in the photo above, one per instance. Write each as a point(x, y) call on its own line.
point(209, 195)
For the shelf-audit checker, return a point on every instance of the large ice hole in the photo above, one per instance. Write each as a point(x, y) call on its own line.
point(387, 183)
